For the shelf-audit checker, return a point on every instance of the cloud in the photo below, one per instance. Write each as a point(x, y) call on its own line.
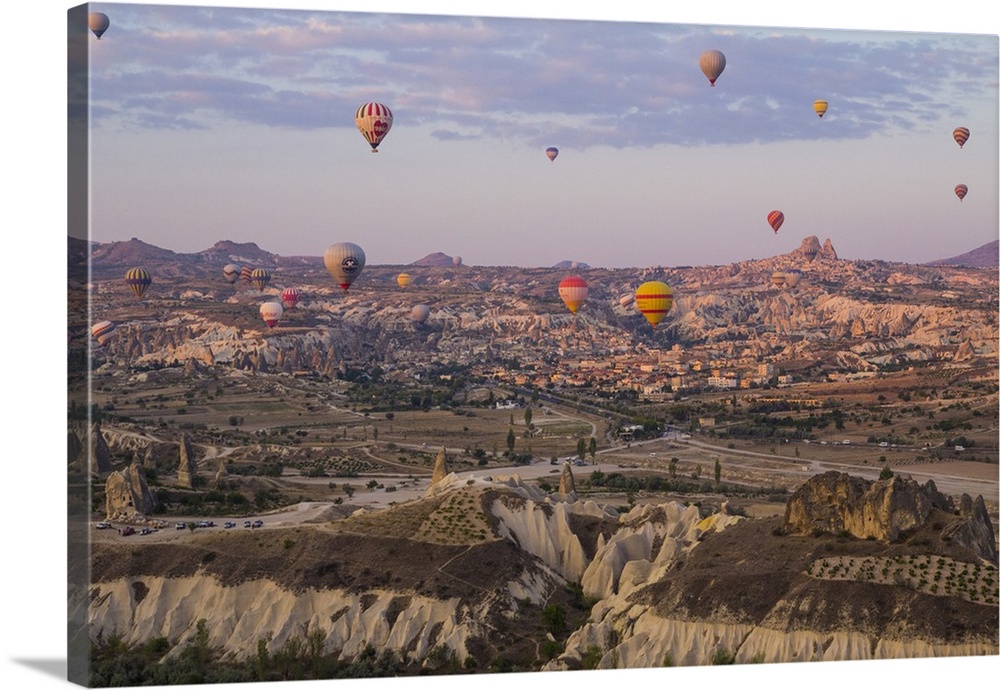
point(590, 83)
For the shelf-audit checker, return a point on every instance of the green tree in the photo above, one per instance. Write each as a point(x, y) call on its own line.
point(886, 473)
point(593, 448)
point(581, 448)
point(718, 473)
point(673, 468)
point(527, 417)
point(510, 441)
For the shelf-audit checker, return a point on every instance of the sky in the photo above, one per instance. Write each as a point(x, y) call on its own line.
point(231, 123)
point(35, 214)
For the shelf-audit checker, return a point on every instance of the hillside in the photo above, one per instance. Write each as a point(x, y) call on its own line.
point(986, 256)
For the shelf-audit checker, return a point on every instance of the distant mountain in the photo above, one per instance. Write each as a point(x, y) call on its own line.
point(986, 256)
point(131, 252)
point(571, 264)
point(435, 259)
point(227, 251)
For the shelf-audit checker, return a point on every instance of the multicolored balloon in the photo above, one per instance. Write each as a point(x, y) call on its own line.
point(403, 279)
point(654, 299)
point(290, 297)
point(775, 219)
point(573, 291)
point(245, 273)
point(792, 277)
point(712, 62)
point(961, 135)
point(552, 152)
point(102, 331)
point(420, 313)
point(231, 272)
point(778, 279)
point(344, 261)
point(961, 190)
point(138, 279)
point(271, 313)
point(820, 107)
point(374, 121)
point(626, 301)
point(260, 278)
point(98, 23)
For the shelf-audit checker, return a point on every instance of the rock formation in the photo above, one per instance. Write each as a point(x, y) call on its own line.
point(100, 453)
point(828, 252)
point(188, 468)
point(127, 496)
point(975, 531)
point(836, 502)
point(566, 484)
point(440, 467)
point(74, 447)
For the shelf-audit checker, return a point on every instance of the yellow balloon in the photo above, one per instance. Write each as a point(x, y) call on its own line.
point(654, 299)
point(404, 279)
point(820, 107)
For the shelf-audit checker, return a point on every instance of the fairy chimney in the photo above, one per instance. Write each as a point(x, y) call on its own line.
point(100, 453)
point(566, 484)
point(127, 496)
point(440, 467)
point(188, 468)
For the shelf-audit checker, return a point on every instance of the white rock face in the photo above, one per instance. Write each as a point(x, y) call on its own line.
point(238, 616)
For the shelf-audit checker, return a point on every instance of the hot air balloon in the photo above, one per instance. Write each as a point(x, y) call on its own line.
point(271, 313)
point(344, 261)
point(820, 107)
point(654, 299)
point(98, 23)
point(403, 279)
point(573, 291)
point(961, 135)
point(374, 121)
point(231, 273)
point(778, 279)
point(457, 261)
point(626, 301)
point(792, 277)
point(961, 190)
point(138, 279)
point(712, 62)
point(102, 331)
point(775, 219)
point(420, 313)
point(290, 297)
point(245, 273)
point(552, 152)
point(260, 278)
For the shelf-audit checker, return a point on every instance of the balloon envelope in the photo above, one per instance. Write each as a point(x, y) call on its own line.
point(138, 279)
point(102, 331)
point(344, 261)
point(775, 219)
point(654, 299)
point(231, 272)
point(457, 261)
point(627, 301)
point(552, 152)
point(573, 291)
point(792, 277)
point(778, 279)
point(712, 62)
point(820, 107)
point(403, 279)
point(98, 23)
point(374, 121)
point(420, 313)
point(260, 278)
point(245, 273)
point(961, 135)
point(961, 190)
point(290, 297)
point(271, 313)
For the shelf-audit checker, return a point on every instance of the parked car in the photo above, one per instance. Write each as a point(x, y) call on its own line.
point(146, 530)
point(103, 525)
point(258, 523)
point(246, 523)
point(181, 525)
point(229, 525)
point(127, 531)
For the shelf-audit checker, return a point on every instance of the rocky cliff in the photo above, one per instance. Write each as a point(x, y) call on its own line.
point(127, 497)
